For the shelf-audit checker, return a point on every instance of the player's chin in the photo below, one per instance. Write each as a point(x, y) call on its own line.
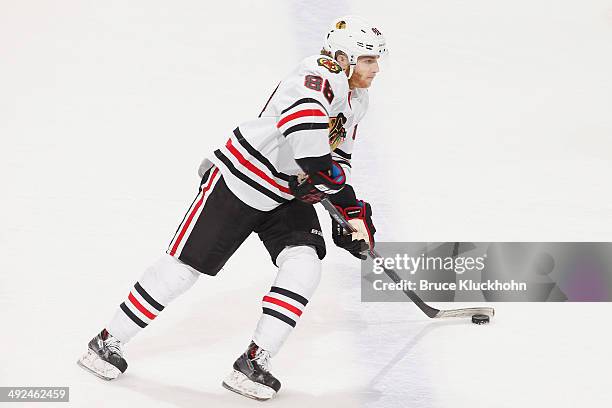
point(364, 83)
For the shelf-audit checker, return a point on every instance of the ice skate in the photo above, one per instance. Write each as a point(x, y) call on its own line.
point(251, 376)
point(104, 357)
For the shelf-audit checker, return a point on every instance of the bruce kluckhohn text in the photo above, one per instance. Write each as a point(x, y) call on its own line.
point(462, 285)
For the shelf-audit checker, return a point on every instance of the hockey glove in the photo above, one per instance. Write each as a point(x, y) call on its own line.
point(312, 188)
point(360, 217)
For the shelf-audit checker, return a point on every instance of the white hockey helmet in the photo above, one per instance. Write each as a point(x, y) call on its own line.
point(355, 37)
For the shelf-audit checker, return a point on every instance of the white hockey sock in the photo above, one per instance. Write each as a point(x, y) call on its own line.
point(159, 285)
point(299, 273)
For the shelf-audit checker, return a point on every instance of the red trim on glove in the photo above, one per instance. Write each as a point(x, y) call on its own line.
point(360, 215)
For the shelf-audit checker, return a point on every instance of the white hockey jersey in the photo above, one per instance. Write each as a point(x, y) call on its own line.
point(258, 160)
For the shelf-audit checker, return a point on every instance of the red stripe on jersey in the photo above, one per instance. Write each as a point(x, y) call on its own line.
point(300, 114)
point(252, 167)
point(286, 305)
point(193, 213)
point(140, 307)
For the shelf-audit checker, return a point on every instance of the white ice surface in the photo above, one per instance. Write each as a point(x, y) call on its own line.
point(491, 122)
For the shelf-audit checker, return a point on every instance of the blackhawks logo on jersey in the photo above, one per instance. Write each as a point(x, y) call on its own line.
point(331, 65)
point(337, 133)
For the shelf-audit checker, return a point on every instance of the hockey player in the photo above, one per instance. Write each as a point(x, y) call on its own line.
point(265, 180)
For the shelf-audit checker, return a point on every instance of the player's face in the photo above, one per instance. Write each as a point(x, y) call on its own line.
point(364, 72)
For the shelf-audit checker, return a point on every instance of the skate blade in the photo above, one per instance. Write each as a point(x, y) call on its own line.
point(98, 367)
point(240, 384)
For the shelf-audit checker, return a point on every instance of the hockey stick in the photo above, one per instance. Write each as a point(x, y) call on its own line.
point(431, 312)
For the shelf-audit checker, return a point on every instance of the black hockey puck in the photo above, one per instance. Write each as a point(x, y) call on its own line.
point(480, 319)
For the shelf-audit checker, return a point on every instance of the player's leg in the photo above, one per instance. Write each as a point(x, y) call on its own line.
point(162, 282)
point(299, 273)
point(211, 231)
point(292, 235)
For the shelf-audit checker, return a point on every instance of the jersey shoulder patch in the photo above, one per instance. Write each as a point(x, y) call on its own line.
point(329, 64)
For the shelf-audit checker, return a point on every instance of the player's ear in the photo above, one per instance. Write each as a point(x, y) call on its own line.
point(342, 60)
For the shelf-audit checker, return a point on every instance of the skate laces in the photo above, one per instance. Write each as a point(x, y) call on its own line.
point(113, 345)
point(262, 357)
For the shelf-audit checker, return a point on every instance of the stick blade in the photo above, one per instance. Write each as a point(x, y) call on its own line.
point(467, 312)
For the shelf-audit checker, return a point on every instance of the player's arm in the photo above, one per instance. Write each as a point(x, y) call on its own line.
point(313, 95)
